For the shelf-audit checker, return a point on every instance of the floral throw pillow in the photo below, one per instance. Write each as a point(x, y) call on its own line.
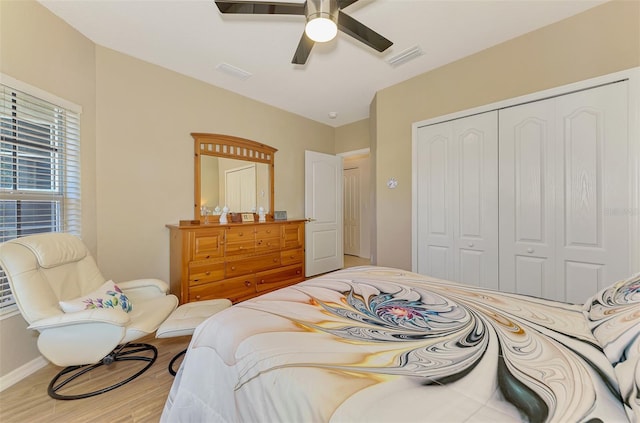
point(613, 315)
point(109, 295)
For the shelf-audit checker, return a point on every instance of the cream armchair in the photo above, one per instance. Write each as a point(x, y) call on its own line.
point(53, 272)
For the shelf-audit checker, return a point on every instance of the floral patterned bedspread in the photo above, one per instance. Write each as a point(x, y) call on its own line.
point(374, 344)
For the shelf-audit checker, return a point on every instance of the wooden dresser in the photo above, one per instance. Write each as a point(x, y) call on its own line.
point(237, 261)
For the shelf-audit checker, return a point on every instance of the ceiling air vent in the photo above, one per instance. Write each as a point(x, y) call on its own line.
point(234, 71)
point(405, 55)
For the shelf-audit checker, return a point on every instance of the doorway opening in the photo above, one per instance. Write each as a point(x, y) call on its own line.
point(357, 204)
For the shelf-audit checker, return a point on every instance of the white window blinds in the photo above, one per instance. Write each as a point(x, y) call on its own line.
point(39, 170)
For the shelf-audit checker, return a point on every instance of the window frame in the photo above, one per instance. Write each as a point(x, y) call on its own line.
point(59, 157)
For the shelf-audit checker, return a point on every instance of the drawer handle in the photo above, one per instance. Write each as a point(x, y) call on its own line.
point(260, 242)
point(275, 260)
point(297, 272)
point(207, 273)
point(240, 234)
point(247, 283)
point(208, 257)
point(268, 231)
point(292, 257)
point(261, 281)
point(233, 268)
point(530, 250)
point(197, 297)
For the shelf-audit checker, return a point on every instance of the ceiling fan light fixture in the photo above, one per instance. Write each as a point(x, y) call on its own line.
point(321, 29)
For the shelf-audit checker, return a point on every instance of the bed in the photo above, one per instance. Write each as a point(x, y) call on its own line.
point(375, 344)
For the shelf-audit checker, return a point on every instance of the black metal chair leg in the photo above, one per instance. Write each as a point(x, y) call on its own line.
point(173, 360)
point(124, 352)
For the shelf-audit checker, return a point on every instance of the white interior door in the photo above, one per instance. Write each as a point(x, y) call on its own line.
point(457, 195)
point(240, 189)
point(434, 201)
point(592, 207)
point(323, 208)
point(352, 207)
point(527, 199)
point(564, 194)
point(475, 200)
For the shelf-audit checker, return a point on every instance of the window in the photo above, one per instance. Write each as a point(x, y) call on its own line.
point(39, 167)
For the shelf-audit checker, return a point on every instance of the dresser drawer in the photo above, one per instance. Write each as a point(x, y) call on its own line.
point(293, 235)
point(292, 256)
point(269, 231)
point(200, 273)
point(252, 264)
point(240, 234)
point(207, 244)
point(235, 289)
point(236, 248)
point(278, 278)
point(264, 245)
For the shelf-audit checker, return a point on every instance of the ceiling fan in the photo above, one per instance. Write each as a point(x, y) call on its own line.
point(324, 18)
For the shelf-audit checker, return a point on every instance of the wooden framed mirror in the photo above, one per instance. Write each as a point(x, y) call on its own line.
point(231, 171)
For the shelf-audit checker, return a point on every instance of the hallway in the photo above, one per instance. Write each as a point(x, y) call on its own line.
point(352, 261)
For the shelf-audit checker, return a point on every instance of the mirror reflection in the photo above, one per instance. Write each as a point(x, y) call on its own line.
point(231, 171)
point(241, 185)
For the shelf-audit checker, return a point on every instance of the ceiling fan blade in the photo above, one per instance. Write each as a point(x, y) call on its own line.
point(260, 8)
point(344, 3)
point(302, 52)
point(352, 27)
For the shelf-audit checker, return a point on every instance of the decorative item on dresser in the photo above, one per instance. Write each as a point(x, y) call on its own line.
point(237, 261)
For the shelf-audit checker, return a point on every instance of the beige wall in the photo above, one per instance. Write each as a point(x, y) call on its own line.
point(599, 41)
point(352, 137)
point(41, 50)
point(137, 155)
point(144, 157)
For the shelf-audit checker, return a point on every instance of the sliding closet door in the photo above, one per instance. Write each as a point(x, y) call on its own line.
point(592, 207)
point(564, 194)
point(457, 198)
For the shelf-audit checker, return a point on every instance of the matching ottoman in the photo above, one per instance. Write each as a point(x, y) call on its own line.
point(185, 318)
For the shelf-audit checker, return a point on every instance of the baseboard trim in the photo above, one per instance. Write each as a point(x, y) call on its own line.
point(21, 372)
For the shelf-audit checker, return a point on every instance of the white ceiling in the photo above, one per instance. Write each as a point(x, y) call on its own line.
point(192, 37)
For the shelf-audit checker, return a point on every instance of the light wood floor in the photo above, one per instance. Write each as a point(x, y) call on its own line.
point(141, 400)
point(351, 261)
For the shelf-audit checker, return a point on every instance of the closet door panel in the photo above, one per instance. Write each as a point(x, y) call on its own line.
point(529, 273)
point(527, 196)
point(434, 220)
point(592, 221)
point(475, 200)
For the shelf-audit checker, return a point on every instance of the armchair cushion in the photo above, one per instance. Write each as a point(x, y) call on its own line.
point(109, 295)
point(54, 251)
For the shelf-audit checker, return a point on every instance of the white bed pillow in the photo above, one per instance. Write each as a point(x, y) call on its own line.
point(109, 295)
point(613, 315)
